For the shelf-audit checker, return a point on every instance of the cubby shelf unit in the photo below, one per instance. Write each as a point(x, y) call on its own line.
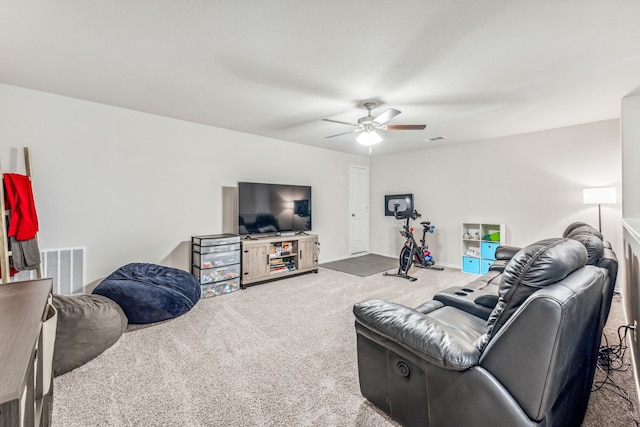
point(479, 245)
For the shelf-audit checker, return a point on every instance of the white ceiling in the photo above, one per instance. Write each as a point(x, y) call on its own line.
point(469, 69)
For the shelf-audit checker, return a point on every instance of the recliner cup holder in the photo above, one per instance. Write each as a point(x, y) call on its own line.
point(462, 294)
point(467, 290)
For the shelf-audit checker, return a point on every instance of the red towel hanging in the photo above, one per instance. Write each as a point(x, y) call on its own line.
point(23, 219)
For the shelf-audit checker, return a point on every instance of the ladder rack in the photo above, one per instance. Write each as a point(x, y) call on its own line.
point(5, 253)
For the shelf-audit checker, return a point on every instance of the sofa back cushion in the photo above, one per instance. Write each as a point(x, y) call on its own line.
point(599, 254)
point(582, 226)
point(532, 268)
point(592, 241)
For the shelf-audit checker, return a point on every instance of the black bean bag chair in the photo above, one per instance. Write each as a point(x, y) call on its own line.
point(150, 293)
point(87, 325)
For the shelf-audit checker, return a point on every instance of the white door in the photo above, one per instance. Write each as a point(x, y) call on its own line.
point(358, 209)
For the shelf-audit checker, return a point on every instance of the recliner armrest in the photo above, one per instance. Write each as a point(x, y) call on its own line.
point(439, 344)
point(487, 300)
point(499, 265)
point(503, 255)
point(506, 252)
point(609, 261)
point(429, 306)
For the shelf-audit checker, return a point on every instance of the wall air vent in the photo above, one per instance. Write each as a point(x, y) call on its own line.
point(65, 266)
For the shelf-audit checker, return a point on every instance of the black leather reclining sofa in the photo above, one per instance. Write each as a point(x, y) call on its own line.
point(480, 296)
point(530, 362)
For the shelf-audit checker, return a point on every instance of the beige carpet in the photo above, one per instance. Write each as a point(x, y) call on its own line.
point(277, 354)
point(615, 402)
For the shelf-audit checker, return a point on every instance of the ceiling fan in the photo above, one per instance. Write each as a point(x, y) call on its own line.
point(368, 126)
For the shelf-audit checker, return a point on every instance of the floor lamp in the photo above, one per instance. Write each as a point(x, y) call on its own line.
point(599, 196)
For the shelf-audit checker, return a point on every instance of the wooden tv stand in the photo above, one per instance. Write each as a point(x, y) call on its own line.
point(277, 257)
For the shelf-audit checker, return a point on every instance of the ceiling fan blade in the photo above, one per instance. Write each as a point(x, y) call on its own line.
point(344, 133)
point(406, 127)
point(386, 115)
point(337, 121)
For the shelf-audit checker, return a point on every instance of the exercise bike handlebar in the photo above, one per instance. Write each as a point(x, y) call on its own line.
point(414, 215)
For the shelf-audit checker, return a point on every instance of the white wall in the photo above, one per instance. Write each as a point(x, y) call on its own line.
point(533, 183)
point(134, 187)
point(630, 156)
point(630, 130)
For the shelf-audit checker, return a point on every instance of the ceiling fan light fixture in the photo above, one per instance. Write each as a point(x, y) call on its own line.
point(369, 138)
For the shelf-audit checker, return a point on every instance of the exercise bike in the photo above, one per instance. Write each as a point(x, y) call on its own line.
point(413, 253)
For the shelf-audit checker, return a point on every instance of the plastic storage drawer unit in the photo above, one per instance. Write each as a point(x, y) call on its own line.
point(213, 249)
point(211, 275)
point(216, 239)
point(215, 289)
point(215, 261)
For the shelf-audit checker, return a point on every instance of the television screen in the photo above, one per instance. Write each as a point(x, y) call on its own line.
point(273, 208)
point(401, 203)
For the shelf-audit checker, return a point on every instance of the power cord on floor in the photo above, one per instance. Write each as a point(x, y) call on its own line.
point(612, 358)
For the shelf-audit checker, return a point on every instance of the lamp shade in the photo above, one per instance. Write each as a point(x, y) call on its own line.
point(598, 196)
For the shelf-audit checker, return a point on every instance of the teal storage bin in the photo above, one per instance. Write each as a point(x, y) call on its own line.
point(470, 265)
point(488, 250)
point(484, 266)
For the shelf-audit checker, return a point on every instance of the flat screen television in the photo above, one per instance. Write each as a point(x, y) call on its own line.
point(402, 203)
point(273, 208)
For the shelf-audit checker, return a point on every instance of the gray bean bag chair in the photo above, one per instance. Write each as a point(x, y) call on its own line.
point(87, 326)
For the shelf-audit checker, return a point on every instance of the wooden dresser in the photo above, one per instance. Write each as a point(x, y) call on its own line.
point(25, 357)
